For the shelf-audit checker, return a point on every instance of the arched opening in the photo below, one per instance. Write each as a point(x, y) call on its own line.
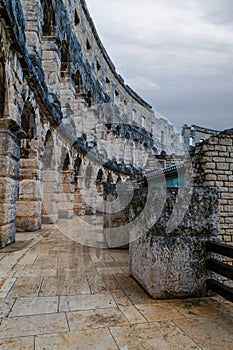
point(28, 125)
point(109, 127)
point(66, 163)
point(48, 18)
point(2, 85)
point(66, 199)
point(65, 57)
point(163, 159)
point(127, 136)
point(29, 201)
point(79, 205)
point(119, 179)
point(89, 173)
point(77, 165)
point(163, 154)
point(76, 18)
point(109, 177)
point(154, 151)
point(117, 96)
point(48, 150)
point(99, 179)
point(89, 99)
point(118, 130)
point(78, 83)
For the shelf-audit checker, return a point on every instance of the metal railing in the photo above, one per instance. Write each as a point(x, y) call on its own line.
point(220, 268)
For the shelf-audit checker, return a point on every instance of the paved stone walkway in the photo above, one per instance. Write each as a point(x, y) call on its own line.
point(58, 294)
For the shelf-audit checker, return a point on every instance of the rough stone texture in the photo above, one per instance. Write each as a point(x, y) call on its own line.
point(65, 111)
point(169, 267)
point(212, 163)
point(167, 240)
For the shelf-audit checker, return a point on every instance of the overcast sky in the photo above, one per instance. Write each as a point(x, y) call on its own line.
point(177, 54)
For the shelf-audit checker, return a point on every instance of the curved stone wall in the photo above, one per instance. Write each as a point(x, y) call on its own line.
point(68, 122)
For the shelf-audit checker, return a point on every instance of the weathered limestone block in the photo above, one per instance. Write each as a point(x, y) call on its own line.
point(8, 189)
point(166, 229)
point(28, 224)
point(50, 188)
point(29, 190)
point(29, 164)
point(7, 213)
point(9, 156)
point(50, 208)
point(9, 167)
point(7, 234)
point(9, 144)
point(172, 264)
point(28, 209)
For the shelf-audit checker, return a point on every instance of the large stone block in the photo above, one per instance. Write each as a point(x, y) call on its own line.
point(7, 213)
point(50, 187)
point(29, 163)
point(171, 264)
point(49, 219)
point(169, 267)
point(8, 190)
point(29, 190)
point(27, 224)
point(28, 209)
point(9, 144)
point(31, 174)
point(7, 234)
point(49, 208)
point(9, 167)
point(51, 176)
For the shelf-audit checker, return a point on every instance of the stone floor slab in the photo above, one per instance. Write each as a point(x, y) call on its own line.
point(6, 305)
point(109, 270)
point(195, 307)
point(26, 287)
point(210, 332)
point(32, 325)
point(159, 312)
point(132, 314)
point(121, 298)
point(64, 286)
point(82, 320)
point(5, 286)
point(25, 343)
point(102, 283)
point(98, 339)
point(152, 336)
point(86, 302)
point(34, 306)
point(80, 279)
point(30, 272)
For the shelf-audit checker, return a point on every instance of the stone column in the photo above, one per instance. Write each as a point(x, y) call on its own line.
point(90, 191)
point(50, 205)
point(79, 107)
point(79, 199)
point(138, 154)
point(29, 200)
point(66, 196)
point(119, 150)
point(51, 64)
point(128, 153)
point(9, 165)
point(67, 96)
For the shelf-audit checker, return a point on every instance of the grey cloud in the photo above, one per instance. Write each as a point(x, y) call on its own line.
point(177, 54)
